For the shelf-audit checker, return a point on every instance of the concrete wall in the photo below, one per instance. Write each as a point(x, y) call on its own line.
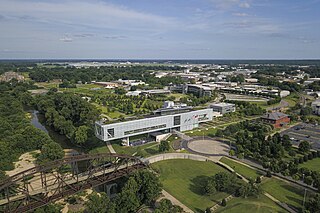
point(169, 156)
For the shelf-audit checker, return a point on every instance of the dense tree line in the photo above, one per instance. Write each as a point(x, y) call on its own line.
point(110, 73)
point(17, 135)
point(285, 85)
point(143, 187)
point(68, 114)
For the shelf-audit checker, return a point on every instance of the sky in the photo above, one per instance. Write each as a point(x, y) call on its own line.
point(159, 29)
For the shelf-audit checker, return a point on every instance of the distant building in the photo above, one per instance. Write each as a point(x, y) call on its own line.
point(251, 80)
point(284, 93)
point(223, 108)
point(131, 82)
point(133, 93)
point(316, 107)
point(155, 92)
point(109, 85)
point(198, 90)
point(276, 119)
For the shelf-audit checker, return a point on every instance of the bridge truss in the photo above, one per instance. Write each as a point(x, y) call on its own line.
point(41, 185)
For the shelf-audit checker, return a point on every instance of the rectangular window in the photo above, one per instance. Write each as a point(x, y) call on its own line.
point(110, 133)
point(144, 129)
point(176, 120)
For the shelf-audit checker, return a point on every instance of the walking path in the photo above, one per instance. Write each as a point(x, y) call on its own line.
point(112, 151)
point(175, 201)
point(283, 205)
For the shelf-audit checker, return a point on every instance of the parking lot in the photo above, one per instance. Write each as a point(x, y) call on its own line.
point(304, 132)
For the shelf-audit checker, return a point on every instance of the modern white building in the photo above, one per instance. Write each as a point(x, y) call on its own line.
point(164, 120)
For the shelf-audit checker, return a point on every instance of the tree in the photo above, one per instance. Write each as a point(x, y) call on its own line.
point(223, 202)
point(258, 180)
point(127, 200)
point(51, 208)
point(304, 146)
point(210, 187)
point(120, 91)
point(224, 182)
point(164, 146)
point(99, 203)
point(50, 152)
point(81, 135)
point(269, 174)
point(313, 204)
point(166, 206)
point(249, 190)
point(150, 186)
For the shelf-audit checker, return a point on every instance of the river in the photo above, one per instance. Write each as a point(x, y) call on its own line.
point(38, 121)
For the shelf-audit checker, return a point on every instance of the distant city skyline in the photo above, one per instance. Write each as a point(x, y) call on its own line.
point(153, 29)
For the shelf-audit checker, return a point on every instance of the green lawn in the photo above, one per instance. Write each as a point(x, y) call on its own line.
point(292, 99)
point(182, 177)
point(201, 132)
point(241, 169)
point(283, 191)
point(102, 149)
point(130, 150)
point(256, 205)
point(311, 164)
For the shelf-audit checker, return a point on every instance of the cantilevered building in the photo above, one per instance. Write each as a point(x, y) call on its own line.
point(166, 119)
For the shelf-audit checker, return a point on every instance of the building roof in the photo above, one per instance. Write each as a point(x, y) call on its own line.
point(274, 116)
point(222, 104)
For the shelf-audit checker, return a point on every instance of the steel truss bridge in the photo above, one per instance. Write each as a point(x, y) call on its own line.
point(41, 185)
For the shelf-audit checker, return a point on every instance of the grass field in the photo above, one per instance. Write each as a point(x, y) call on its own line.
point(102, 149)
point(283, 191)
point(241, 169)
point(311, 164)
point(292, 99)
point(256, 205)
point(181, 178)
point(130, 150)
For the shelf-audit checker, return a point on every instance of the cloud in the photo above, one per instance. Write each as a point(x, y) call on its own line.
point(84, 35)
point(228, 4)
point(66, 39)
point(91, 14)
point(244, 5)
point(241, 14)
point(115, 37)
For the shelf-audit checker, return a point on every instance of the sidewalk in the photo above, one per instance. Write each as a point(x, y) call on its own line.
point(175, 201)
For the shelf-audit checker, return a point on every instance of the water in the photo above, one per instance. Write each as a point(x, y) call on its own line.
point(35, 121)
point(38, 121)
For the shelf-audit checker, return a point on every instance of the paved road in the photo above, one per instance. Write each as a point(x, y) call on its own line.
point(282, 104)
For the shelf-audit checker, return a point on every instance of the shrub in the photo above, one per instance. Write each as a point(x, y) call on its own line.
point(269, 174)
point(258, 180)
point(223, 202)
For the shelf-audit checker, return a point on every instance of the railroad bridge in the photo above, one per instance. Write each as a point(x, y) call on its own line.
point(43, 184)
